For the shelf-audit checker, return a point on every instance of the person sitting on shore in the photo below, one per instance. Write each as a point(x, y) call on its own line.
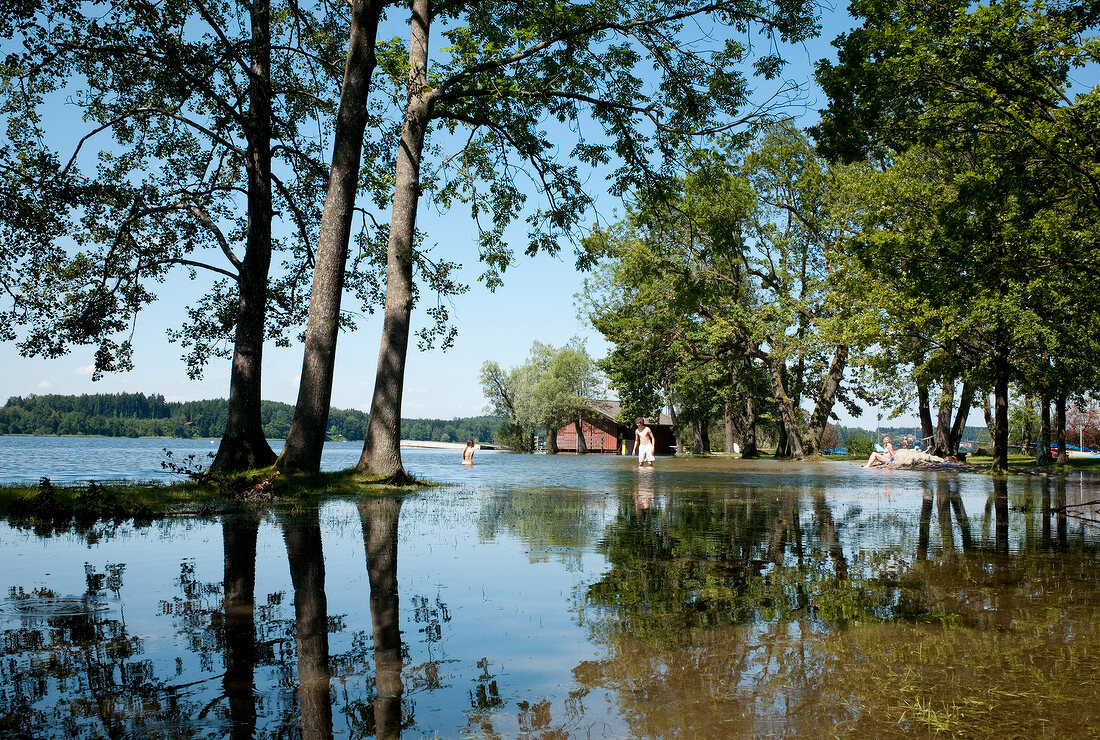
point(885, 457)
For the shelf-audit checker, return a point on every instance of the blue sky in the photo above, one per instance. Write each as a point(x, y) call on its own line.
point(536, 302)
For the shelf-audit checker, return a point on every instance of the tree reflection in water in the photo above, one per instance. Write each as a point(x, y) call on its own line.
point(239, 533)
point(746, 616)
point(380, 517)
point(678, 606)
point(302, 534)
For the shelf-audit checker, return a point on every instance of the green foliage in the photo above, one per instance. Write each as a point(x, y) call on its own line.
point(722, 288)
point(978, 243)
point(138, 415)
point(514, 81)
point(549, 390)
point(859, 445)
point(187, 146)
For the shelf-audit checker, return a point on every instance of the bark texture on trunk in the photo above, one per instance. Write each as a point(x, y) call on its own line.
point(787, 412)
point(382, 446)
point(551, 441)
point(582, 444)
point(924, 411)
point(306, 438)
point(1044, 422)
point(944, 407)
point(749, 450)
point(959, 427)
point(729, 426)
point(243, 445)
point(697, 447)
point(811, 441)
point(1060, 426)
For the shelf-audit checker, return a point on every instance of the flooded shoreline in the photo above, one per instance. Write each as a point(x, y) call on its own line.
point(572, 597)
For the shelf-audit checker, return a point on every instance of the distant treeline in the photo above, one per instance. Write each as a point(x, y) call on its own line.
point(139, 415)
point(981, 434)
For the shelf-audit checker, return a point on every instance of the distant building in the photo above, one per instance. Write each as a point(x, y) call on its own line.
point(602, 434)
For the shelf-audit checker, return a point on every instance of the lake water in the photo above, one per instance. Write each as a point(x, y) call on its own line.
point(561, 597)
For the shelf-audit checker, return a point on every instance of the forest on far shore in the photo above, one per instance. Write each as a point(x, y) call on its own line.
point(141, 415)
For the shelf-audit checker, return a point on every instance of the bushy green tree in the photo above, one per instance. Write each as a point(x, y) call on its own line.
point(550, 389)
point(201, 134)
point(1006, 254)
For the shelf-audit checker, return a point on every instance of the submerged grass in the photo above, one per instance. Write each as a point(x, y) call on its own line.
point(202, 494)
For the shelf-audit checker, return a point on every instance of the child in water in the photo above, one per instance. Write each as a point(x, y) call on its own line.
point(468, 453)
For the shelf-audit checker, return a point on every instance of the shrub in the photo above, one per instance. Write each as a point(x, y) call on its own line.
point(512, 437)
point(859, 445)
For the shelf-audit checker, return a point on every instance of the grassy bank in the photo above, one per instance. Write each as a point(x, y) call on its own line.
point(143, 500)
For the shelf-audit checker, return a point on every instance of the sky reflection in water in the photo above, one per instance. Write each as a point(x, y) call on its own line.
point(573, 597)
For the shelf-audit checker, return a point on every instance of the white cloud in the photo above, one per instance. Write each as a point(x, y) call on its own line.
point(45, 384)
point(84, 370)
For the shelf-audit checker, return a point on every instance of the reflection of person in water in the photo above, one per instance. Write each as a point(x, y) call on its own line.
point(468, 453)
point(643, 493)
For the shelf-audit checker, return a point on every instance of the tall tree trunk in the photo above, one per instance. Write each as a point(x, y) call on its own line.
point(382, 446)
point(749, 450)
point(1060, 426)
point(1044, 422)
point(239, 534)
point(244, 445)
point(729, 426)
point(302, 534)
point(959, 427)
point(1000, 410)
point(582, 445)
point(380, 518)
point(944, 406)
point(787, 412)
point(924, 412)
point(306, 438)
point(987, 413)
point(552, 441)
point(781, 440)
point(811, 441)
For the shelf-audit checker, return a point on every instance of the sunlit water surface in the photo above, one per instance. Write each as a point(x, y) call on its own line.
point(559, 597)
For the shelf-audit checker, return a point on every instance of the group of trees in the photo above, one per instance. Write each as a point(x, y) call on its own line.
point(937, 237)
point(138, 415)
point(206, 129)
point(551, 389)
point(718, 296)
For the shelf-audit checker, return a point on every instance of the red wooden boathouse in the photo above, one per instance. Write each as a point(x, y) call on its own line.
point(602, 434)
